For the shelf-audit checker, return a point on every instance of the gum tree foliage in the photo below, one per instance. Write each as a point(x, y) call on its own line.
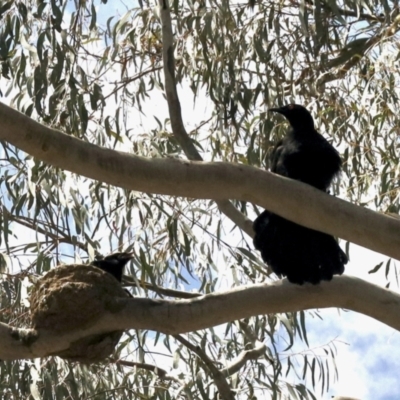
point(92, 69)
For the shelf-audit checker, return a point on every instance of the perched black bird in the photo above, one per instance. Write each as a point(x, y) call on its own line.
point(300, 253)
point(114, 264)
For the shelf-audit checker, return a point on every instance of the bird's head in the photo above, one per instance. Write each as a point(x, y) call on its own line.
point(114, 263)
point(297, 115)
point(118, 258)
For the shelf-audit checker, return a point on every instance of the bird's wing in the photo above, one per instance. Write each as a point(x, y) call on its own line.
point(275, 155)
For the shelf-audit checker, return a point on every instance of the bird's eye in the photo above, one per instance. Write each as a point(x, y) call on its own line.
point(291, 106)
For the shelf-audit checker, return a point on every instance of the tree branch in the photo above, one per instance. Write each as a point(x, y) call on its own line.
point(129, 282)
point(218, 377)
point(242, 359)
point(174, 107)
point(350, 13)
point(342, 11)
point(160, 372)
point(391, 30)
point(291, 199)
point(34, 225)
point(340, 71)
point(179, 316)
point(344, 398)
point(257, 351)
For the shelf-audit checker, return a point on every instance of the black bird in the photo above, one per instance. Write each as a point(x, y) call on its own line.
point(114, 264)
point(300, 253)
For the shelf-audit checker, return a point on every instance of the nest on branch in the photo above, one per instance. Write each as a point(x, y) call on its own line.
point(74, 297)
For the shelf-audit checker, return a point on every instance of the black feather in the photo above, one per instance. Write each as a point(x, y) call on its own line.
point(114, 264)
point(300, 253)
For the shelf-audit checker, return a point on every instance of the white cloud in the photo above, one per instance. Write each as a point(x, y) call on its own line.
point(368, 360)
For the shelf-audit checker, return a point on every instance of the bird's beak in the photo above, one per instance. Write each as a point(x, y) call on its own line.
point(129, 256)
point(278, 110)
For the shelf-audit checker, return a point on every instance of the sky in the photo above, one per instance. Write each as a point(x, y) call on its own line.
point(368, 359)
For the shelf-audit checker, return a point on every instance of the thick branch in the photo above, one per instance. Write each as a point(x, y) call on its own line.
point(293, 200)
point(175, 317)
point(175, 113)
point(174, 105)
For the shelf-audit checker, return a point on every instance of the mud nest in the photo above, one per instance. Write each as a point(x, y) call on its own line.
point(74, 297)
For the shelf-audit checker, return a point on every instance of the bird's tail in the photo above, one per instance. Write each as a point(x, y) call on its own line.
point(300, 253)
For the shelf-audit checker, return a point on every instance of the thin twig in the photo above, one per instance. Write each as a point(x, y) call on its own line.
point(160, 372)
point(243, 357)
point(257, 351)
point(160, 290)
point(218, 377)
